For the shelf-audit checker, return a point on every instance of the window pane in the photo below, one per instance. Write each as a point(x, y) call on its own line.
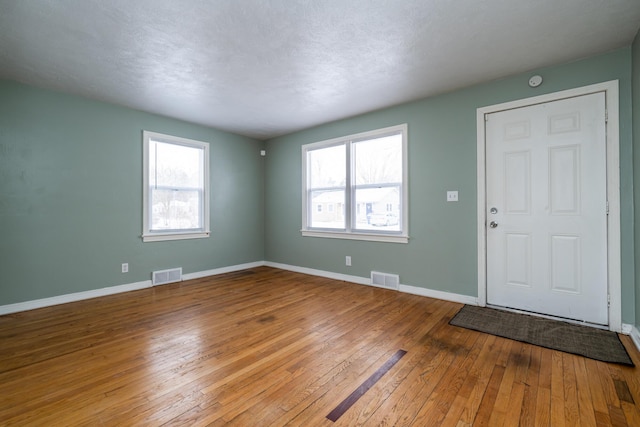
point(327, 209)
point(327, 167)
point(173, 165)
point(378, 208)
point(378, 160)
point(175, 210)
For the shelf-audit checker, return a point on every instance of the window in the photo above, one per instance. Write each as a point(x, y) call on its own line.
point(176, 188)
point(366, 174)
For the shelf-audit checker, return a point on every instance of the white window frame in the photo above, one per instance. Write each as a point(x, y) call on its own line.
point(160, 235)
point(401, 236)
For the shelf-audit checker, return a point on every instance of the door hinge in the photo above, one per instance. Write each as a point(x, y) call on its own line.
point(608, 300)
point(607, 207)
point(606, 116)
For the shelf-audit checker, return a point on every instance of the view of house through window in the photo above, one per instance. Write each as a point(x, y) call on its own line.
point(356, 184)
point(176, 199)
point(327, 183)
point(378, 182)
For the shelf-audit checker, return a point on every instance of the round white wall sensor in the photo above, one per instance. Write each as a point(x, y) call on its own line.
point(535, 81)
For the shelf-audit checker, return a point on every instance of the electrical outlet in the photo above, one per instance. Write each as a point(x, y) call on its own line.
point(125, 267)
point(347, 260)
point(452, 196)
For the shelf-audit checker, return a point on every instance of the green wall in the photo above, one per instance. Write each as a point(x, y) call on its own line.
point(636, 156)
point(71, 196)
point(442, 252)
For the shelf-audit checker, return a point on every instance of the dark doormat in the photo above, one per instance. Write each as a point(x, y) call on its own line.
point(581, 340)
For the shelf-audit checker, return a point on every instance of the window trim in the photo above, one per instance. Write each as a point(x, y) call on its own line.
point(383, 236)
point(156, 236)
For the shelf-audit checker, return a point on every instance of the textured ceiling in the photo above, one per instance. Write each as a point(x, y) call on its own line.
point(264, 68)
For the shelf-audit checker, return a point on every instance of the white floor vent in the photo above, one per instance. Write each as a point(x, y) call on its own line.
point(161, 277)
point(385, 280)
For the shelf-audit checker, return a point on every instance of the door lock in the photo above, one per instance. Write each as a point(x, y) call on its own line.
point(494, 210)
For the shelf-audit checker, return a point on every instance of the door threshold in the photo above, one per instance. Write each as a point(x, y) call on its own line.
point(550, 317)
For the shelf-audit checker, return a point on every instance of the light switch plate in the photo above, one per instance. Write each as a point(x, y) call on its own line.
point(452, 196)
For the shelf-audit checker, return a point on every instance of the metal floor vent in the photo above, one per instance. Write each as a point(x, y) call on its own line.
point(161, 277)
point(385, 280)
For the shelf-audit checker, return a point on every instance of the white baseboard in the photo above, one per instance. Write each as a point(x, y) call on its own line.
point(222, 270)
point(322, 273)
point(430, 293)
point(111, 290)
point(446, 296)
point(78, 296)
point(627, 329)
point(634, 333)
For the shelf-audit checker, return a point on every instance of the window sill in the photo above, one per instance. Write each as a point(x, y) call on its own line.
point(357, 236)
point(159, 237)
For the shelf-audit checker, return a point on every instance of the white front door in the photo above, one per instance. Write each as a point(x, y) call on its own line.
point(546, 201)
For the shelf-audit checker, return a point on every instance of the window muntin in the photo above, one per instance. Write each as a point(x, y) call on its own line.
point(176, 194)
point(361, 182)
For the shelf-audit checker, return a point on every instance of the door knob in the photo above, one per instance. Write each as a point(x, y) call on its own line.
point(493, 224)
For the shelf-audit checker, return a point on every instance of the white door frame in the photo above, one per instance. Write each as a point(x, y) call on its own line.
point(610, 90)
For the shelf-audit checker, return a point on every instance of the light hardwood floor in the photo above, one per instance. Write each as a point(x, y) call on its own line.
point(266, 347)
